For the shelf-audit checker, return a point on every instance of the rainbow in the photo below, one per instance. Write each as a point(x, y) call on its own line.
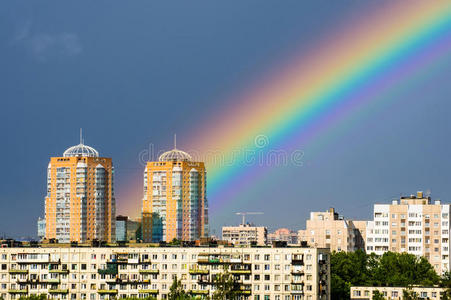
point(311, 92)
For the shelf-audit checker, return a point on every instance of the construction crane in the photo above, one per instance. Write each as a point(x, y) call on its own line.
point(243, 215)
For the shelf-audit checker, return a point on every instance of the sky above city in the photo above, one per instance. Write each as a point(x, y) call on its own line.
point(134, 73)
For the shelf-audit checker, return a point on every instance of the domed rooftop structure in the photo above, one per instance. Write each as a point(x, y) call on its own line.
point(175, 154)
point(81, 150)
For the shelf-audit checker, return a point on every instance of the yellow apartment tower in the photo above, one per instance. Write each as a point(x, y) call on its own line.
point(175, 203)
point(80, 204)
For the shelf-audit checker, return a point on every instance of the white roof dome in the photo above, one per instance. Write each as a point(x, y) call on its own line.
point(81, 150)
point(175, 155)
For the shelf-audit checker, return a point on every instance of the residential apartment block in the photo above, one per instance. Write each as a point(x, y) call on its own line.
point(414, 225)
point(175, 203)
point(329, 230)
point(80, 204)
point(283, 235)
point(260, 273)
point(246, 234)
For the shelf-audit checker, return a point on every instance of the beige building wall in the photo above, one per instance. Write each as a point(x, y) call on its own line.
point(328, 230)
point(245, 234)
point(113, 272)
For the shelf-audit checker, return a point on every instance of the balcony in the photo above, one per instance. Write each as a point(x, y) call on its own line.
point(58, 291)
point(297, 272)
point(297, 288)
point(209, 261)
point(148, 292)
point(245, 289)
point(199, 292)
point(204, 279)
point(240, 271)
point(23, 291)
point(297, 261)
point(127, 281)
point(198, 271)
point(17, 271)
point(149, 271)
point(58, 271)
point(109, 292)
point(50, 280)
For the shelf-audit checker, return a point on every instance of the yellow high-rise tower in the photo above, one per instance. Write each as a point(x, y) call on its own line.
point(80, 204)
point(175, 203)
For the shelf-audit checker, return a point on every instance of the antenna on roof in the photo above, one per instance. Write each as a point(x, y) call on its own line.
point(175, 141)
point(81, 136)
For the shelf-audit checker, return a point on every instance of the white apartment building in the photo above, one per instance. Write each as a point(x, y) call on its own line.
point(414, 225)
point(261, 273)
point(243, 235)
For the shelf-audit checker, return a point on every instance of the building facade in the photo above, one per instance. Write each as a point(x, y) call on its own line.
point(175, 202)
point(41, 228)
point(283, 235)
point(245, 234)
point(106, 273)
point(396, 293)
point(414, 225)
point(121, 228)
point(80, 204)
point(127, 229)
point(329, 230)
point(133, 229)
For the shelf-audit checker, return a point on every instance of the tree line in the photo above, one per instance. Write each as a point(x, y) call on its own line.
point(390, 269)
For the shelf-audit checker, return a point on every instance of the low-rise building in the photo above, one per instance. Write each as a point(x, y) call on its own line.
point(329, 230)
point(243, 235)
point(395, 293)
point(94, 273)
point(283, 235)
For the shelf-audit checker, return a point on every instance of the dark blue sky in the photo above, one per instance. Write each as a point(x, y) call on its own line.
point(134, 72)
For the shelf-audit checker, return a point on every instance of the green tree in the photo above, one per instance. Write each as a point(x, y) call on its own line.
point(176, 292)
point(445, 282)
point(378, 295)
point(403, 269)
point(348, 269)
point(226, 287)
point(408, 294)
point(390, 269)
